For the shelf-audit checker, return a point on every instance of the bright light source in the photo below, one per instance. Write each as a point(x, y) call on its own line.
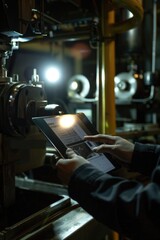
point(52, 74)
point(130, 14)
point(74, 85)
point(67, 121)
point(78, 86)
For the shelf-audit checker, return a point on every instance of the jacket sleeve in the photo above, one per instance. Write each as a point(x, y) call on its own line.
point(125, 206)
point(145, 158)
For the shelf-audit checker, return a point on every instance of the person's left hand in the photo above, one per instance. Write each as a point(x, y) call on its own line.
point(66, 167)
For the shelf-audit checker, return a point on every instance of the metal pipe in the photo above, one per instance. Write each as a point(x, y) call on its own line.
point(153, 67)
point(106, 122)
point(135, 7)
point(154, 35)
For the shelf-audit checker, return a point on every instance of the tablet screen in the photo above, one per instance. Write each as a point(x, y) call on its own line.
point(68, 130)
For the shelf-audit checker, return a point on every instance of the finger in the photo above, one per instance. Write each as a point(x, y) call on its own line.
point(103, 148)
point(101, 138)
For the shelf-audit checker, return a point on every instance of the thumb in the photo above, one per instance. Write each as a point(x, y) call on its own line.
point(70, 153)
point(60, 162)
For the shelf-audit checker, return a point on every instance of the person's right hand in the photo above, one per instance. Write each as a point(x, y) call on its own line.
point(115, 145)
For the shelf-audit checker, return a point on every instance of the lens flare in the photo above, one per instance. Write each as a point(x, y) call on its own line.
point(67, 121)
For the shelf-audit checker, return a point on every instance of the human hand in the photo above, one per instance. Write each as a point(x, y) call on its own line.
point(115, 145)
point(66, 167)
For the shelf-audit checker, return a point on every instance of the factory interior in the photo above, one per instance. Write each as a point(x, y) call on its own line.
point(100, 58)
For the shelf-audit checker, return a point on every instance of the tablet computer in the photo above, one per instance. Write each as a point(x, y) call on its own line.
point(68, 131)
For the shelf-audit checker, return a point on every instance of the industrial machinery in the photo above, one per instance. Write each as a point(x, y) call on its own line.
point(137, 79)
point(22, 147)
point(29, 208)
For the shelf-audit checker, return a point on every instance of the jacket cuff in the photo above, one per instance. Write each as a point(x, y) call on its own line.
point(145, 157)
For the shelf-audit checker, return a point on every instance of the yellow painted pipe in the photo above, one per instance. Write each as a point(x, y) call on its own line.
point(106, 71)
point(135, 7)
point(106, 116)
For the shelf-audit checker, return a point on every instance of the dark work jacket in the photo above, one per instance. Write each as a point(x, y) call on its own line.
point(126, 206)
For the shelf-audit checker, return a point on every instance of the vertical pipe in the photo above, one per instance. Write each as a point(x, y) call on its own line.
point(105, 76)
point(154, 36)
point(154, 43)
point(100, 89)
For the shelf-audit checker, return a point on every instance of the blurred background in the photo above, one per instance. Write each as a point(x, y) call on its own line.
point(65, 56)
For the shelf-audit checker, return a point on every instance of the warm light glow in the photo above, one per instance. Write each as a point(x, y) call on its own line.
point(67, 121)
point(53, 74)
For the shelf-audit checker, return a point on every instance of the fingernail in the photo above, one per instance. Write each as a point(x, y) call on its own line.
point(94, 149)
